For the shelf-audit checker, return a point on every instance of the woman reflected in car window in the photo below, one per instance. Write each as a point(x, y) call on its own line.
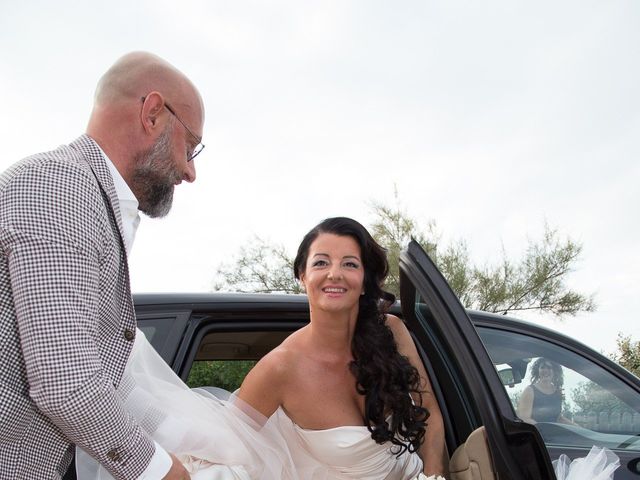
point(542, 400)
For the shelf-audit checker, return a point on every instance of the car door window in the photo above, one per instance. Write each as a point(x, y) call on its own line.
point(590, 406)
point(223, 358)
point(470, 395)
point(163, 331)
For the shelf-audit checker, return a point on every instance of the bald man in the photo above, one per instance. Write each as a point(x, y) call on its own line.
point(67, 324)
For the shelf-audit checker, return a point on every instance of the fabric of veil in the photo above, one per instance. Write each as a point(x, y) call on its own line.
point(215, 439)
point(599, 464)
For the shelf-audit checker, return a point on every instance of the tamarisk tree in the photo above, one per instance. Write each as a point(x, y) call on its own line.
point(534, 281)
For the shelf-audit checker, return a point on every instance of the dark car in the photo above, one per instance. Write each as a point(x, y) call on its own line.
point(478, 364)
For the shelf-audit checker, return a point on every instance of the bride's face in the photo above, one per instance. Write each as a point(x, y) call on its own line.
point(334, 274)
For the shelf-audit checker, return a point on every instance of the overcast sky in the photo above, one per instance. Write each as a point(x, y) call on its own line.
point(491, 118)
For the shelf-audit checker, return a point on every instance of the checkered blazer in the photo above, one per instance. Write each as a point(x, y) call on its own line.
point(67, 322)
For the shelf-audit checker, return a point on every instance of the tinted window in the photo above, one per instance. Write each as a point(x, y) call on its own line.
point(589, 406)
point(223, 358)
point(164, 331)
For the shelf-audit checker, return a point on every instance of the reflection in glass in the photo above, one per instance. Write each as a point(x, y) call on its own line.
point(599, 407)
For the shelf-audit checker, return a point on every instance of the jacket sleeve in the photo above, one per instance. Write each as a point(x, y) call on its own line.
point(56, 241)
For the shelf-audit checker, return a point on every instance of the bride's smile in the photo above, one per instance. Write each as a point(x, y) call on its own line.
point(334, 277)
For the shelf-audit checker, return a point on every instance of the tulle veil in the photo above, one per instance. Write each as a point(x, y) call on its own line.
point(599, 464)
point(214, 438)
point(220, 439)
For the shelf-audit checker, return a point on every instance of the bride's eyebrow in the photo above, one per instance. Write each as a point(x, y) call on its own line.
point(354, 257)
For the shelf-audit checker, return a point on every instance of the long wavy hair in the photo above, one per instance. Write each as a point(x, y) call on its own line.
point(557, 377)
point(383, 376)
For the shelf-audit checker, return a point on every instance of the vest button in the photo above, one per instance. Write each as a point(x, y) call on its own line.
point(129, 334)
point(113, 455)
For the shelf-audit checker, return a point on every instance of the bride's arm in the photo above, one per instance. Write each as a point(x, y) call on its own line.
point(263, 386)
point(433, 450)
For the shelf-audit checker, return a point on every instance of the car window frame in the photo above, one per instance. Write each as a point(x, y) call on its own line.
point(461, 346)
point(575, 352)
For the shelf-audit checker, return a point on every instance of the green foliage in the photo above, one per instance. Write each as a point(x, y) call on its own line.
point(227, 374)
point(590, 397)
point(260, 268)
point(628, 354)
point(393, 230)
point(537, 281)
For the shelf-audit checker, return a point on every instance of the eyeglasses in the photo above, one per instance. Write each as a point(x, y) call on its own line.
point(199, 145)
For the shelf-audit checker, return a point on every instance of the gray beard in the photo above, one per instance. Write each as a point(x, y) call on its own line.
point(154, 177)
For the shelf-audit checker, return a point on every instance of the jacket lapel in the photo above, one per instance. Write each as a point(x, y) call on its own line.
point(98, 164)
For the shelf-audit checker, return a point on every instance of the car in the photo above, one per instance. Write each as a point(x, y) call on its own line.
point(477, 363)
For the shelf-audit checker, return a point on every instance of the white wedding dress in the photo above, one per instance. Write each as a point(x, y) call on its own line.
point(228, 440)
point(346, 452)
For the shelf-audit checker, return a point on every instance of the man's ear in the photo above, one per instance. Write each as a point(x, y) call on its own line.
point(152, 109)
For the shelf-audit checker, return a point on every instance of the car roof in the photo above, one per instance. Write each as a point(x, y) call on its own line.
point(297, 304)
point(204, 301)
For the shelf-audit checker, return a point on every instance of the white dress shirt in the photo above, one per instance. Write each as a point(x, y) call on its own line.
point(128, 202)
point(161, 461)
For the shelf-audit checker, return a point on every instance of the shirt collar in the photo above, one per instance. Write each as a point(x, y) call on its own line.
point(122, 189)
point(129, 215)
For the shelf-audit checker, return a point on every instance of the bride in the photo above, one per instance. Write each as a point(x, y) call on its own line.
point(350, 385)
point(345, 397)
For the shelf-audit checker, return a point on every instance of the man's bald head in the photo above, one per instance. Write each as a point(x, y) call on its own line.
point(138, 73)
point(148, 118)
point(117, 120)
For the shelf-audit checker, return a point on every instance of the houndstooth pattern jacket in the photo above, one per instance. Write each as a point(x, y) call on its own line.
point(67, 322)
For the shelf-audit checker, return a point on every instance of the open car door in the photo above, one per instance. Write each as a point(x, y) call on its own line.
point(482, 430)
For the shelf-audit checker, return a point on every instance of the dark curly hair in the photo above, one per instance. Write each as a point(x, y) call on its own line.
point(383, 376)
point(557, 377)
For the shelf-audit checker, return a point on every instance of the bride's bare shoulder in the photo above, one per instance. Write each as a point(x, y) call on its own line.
point(397, 327)
point(266, 383)
point(285, 356)
point(279, 362)
point(401, 335)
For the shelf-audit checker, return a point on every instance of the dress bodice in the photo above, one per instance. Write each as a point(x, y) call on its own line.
point(349, 452)
point(229, 440)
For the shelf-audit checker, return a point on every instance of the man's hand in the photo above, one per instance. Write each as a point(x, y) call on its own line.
point(177, 471)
